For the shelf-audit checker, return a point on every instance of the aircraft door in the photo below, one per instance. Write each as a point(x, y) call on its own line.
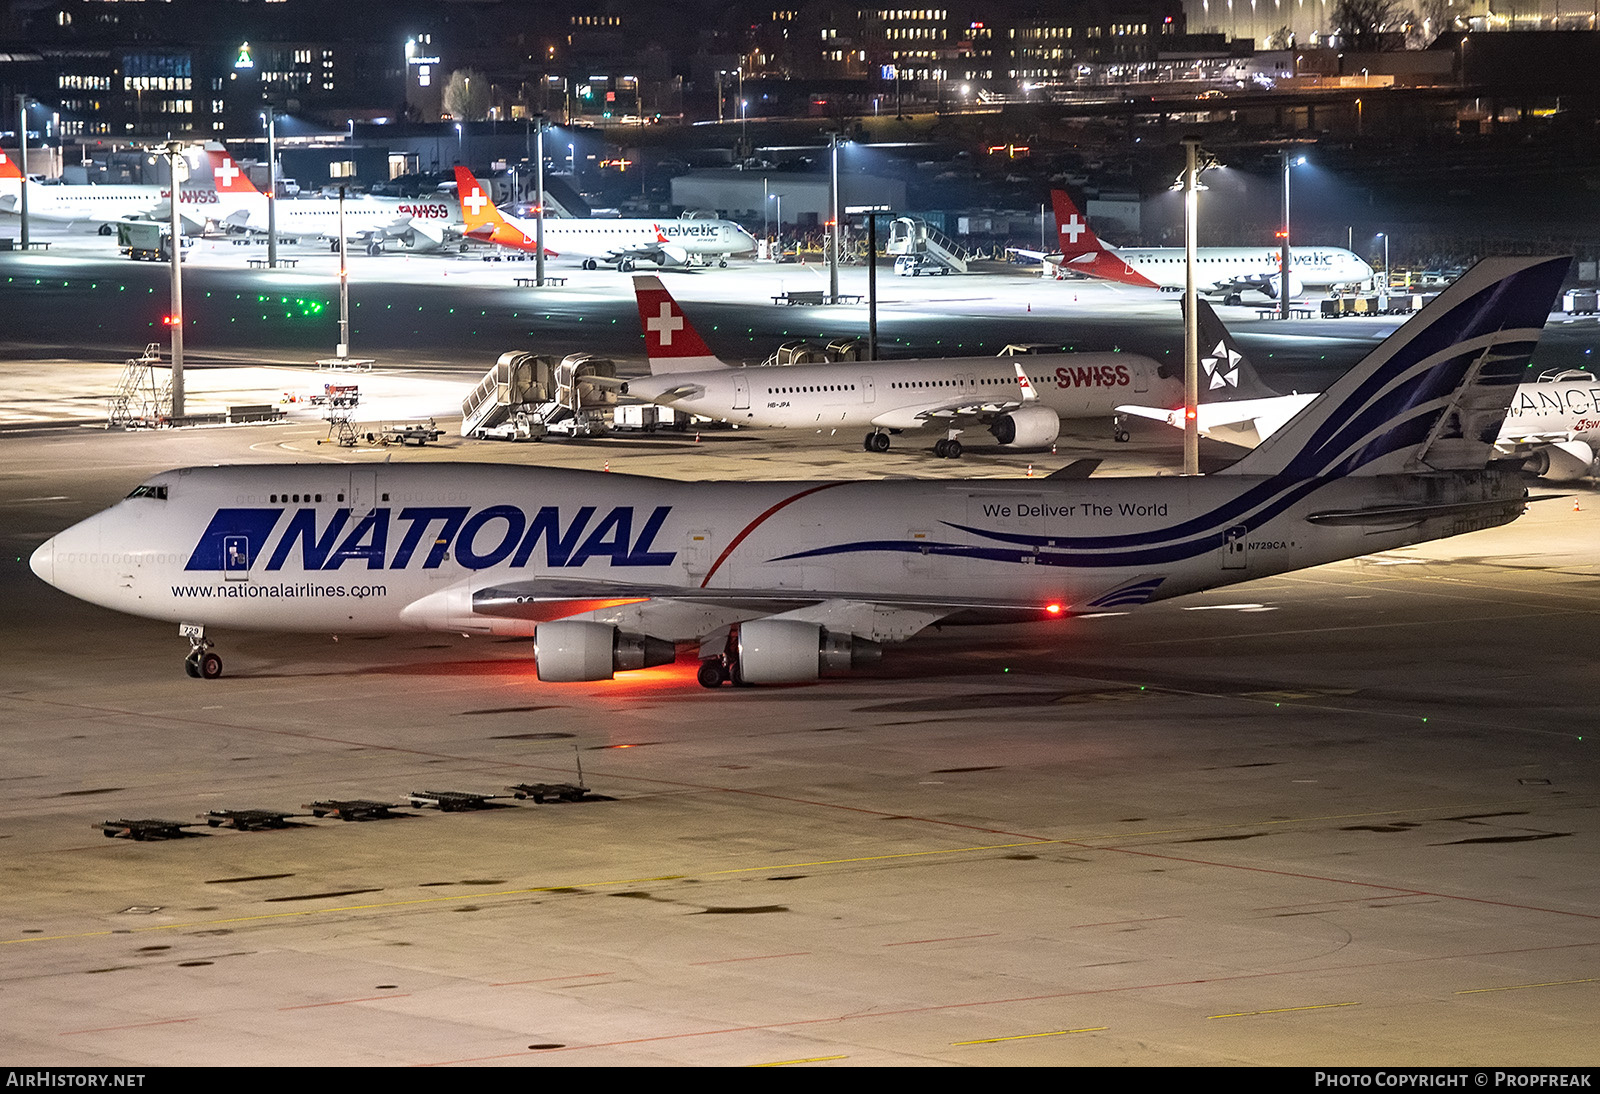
point(741, 392)
point(1233, 548)
point(236, 558)
point(868, 395)
point(363, 491)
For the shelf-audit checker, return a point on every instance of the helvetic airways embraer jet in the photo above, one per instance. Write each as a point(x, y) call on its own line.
point(1225, 271)
point(1021, 400)
point(778, 582)
point(618, 242)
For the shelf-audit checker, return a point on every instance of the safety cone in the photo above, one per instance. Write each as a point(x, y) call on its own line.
point(1576, 508)
point(1052, 448)
point(1030, 471)
point(697, 436)
point(608, 465)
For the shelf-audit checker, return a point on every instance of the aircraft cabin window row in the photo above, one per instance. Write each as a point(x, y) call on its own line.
point(277, 498)
point(814, 387)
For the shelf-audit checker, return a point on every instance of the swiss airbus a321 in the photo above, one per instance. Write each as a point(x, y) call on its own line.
point(1020, 400)
point(778, 582)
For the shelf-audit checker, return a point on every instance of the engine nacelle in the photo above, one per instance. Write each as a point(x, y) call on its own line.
point(1564, 461)
point(788, 651)
point(1029, 427)
point(570, 650)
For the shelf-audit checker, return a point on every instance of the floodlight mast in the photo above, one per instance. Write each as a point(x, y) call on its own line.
point(174, 151)
point(1191, 330)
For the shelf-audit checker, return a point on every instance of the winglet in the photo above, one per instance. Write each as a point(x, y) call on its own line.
point(1028, 394)
point(671, 342)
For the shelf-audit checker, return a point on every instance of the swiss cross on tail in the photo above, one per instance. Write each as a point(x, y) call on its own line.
point(1072, 231)
point(226, 175)
point(670, 340)
point(8, 168)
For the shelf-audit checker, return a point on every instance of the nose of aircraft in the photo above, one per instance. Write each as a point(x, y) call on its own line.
point(43, 561)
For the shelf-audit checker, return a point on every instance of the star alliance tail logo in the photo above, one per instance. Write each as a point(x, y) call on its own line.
point(1222, 367)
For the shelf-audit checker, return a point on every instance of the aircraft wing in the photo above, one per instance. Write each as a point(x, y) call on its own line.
point(1033, 255)
point(941, 413)
point(1244, 422)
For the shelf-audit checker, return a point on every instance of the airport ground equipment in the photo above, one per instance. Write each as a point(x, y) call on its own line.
point(353, 809)
point(246, 820)
point(145, 240)
point(526, 396)
point(148, 828)
point(451, 801)
point(541, 792)
point(413, 432)
point(918, 248)
point(143, 397)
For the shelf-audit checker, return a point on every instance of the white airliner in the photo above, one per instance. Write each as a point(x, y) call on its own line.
point(1021, 400)
point(1553, 425)
point(1225, 271)
point(198, 200)
point(777, 582)
point(621, 243)
point(414, 224)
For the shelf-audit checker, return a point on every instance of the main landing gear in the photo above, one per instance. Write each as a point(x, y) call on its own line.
point(202, 663)
point(947, 448)
point(1119, 429)
point(876, 441)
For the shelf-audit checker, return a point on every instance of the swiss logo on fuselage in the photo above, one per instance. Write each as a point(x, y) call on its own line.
point(1093, 376)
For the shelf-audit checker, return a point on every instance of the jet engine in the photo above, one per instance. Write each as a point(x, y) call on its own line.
point(674, 254)
point(788, 651)
point(1566, 461)
point(570, 650)
point(1029, 427)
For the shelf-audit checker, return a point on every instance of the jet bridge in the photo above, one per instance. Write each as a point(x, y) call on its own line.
point(526, 396)
point(921, 248)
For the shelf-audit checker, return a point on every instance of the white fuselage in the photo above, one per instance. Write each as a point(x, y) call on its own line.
point(1313, 267)
point(1568, 409)
point(106, 204)
point(364, 215)
point(893, 394)
point(477, 548)
point(603, 239)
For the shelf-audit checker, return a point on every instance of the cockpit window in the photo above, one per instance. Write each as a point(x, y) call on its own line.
point(149, 491)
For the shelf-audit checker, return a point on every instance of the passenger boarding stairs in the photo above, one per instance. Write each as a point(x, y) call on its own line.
point(527, 395)
point(142, 398)
point(918, 247)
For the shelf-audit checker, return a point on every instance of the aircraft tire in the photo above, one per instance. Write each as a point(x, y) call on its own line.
point(952, 449)
point(210, 666)
point(876, 442)
point(191, 666)
point(1122, 436)
point(711, 674)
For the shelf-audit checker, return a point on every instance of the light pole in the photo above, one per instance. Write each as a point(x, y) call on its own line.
point(833, 218)
point(538, 211)
point(1283, 296)
point(871, 212)
point(1386, 282)
point(344, 286)
point(174, 150)
point(777, 240)
point(271, 118)
point(22, 149)
point(1191, 330)
point(461, 156)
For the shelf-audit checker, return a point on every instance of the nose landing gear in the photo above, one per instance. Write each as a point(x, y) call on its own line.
point(202, 663)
